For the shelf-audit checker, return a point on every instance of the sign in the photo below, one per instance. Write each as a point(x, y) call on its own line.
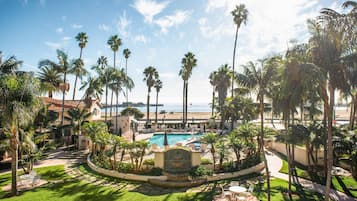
point(177, 161)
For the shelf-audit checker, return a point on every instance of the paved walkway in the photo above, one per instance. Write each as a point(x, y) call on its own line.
point(275, 163)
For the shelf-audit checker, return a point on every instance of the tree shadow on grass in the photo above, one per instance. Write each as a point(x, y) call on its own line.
point(344, 187)
point(85, 191)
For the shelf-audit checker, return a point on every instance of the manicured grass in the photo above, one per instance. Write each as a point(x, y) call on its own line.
point(75, 190)
point(340, 183)
point(279, 191)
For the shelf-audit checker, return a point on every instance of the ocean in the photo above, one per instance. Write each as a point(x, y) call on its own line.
point(170, 107)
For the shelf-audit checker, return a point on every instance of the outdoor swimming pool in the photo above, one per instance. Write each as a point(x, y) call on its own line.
point(172, 138)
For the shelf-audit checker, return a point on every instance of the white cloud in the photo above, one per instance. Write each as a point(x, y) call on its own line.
point(140, 38)
point(123, 25)
point(103, 27)
point(168, 21)
point(77, 26)
point(149, 8)
point(66, 38)
point(168, 75)
point(59, 30)
point(53, 45)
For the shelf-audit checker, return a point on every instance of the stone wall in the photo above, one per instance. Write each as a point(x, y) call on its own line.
point(300, 153)
point(120, 175)
point(228, 175)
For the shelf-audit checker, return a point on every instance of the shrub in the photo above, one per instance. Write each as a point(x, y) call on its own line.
point(149, 162)
point(206, 161)
point(199, 171)
point(156, 171)
point(125, 167)
point(132, 111)
point(229, 166)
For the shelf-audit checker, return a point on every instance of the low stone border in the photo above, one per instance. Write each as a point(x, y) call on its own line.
point(229, 175)
point(127, 176)
point(215, 177)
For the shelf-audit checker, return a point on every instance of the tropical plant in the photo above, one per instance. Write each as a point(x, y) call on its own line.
point(211, 139)
point(151, 75)
point(117, 142)
point(92, 129)
point(100, 68)
point(63, 66)
point(93, 89)
point(221, 150)
point(157, 86)
point(19, 105)
point(222, 80)
point(188, 63)
point(114, 43)
point(50, 80)
point(240, 15)
point(236, 144)
point(78, 69)
point(10, 65)
point(126, 53)
point(77, 118)
point(132, 111)
point(258, 79)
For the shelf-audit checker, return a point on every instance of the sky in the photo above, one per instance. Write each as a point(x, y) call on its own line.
point(158, 33)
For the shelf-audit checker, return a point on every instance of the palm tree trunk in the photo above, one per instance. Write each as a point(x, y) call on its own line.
point(116, 112)
point(234, 59)
point(111, 104)
point(157, 99)
point(74, 87)
point(186, 98)
point(183, 104)
point(14, 158)
point(106, 99)
point(301, 111)
point(50, 94)
point(126, 73)
point(354, 108)
point(329, 142)
point(114, 58)
point(213, 94)
point(147, 108)
point(63, 97)
point(262, 144)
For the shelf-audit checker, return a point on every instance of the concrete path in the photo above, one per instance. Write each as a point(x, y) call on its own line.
point(275, 163)
point(57, 157)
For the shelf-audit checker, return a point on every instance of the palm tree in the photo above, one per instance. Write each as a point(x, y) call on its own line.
point(114, 42)
point(240, 15)
point(100, 68)
point(77, 117)
point(50, 80)
point(236, 144)
point(126, 53)
point(78, 69)
point(19, 105)
point(151, 75)
point(93, 89)
point(63, 66)
point(117, 142)
point(258, 79)
point(10, 65)
point(93, 129)
point(222, 80)
point(157, 86)
point(188, 63)
point(212, 81)
point(211, 139)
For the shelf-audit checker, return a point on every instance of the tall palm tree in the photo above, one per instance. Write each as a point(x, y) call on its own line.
point(93, 129)
point(19, 105)
point(157, 86)
point(240, 15)
point(114, 43)
point(258, 79)
point(188, 63)
point(78, 69)
point(222, 80)
point(63, 66)
point(100, 68)
point(93, 89)
point(211, 139)
point(126, 53)
point(50, 80)
point(151, 75)
point(212, 81)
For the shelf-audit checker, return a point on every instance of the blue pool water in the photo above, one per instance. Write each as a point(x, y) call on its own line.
point(172, 138)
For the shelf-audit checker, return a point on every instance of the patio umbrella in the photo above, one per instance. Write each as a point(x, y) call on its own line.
point(165, 140)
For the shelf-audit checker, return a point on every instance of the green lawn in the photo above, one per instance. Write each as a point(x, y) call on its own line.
point(75, 190)
point(279, 191)
point(340, 183)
